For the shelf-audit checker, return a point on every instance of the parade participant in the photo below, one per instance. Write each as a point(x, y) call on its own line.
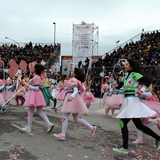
point(132, 108)
point(149, 99)
point(36, 99)
point(63, 89)
point(55, 92)
point(116, 99)
point(2, 101)
point(5, 92)
point(107, 93)
point(70, 106)
point(87, 95)
point(21, 91)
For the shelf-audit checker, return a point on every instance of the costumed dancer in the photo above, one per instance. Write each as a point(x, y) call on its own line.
point(47, 82)
point(132, 108)
point(116, 99)
point(5, 93)
point(55, 91)
point(63, 89)
point(4, 87)
point(87, 95)
point(36, 99)
point(107, 93)
point(21, 91)
point(51, 85)
point(71, 100)
point(148, 98)
point(2, 101)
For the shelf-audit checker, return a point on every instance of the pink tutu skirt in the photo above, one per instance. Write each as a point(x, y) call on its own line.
point(61, 95)
point(5, 95)
point(115, 101)
point(106, 101)
point(77, 105)
point(88, 97)
point(155, 106)
point(153, 98)
point(35, 98)
point(104, 98)
point(1, 99)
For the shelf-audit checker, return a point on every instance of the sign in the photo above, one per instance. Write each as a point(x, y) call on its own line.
point(82, 41)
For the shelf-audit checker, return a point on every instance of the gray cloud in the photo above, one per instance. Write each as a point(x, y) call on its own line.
point(28, 20)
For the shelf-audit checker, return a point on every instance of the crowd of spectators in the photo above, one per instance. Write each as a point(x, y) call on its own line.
point(146, 50)
point(29, 53)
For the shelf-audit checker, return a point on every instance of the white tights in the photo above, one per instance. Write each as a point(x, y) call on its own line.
point(40, 113)
point(148, 124)
point(76, 119)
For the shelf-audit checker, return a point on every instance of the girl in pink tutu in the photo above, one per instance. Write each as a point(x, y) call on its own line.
point(116, 99)
point(87, 95)
point(21, 91)
point(153, 98)
point(107, 93)
point(150, 100)
point(74, 104)
point(4, 87)
point(63, 89)
point(2, 101)
point(5, 93)
point(106, 87)
point(36, 99)
point(55, 92)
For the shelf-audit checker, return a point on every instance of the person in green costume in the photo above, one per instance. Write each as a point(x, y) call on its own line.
point(132, 108)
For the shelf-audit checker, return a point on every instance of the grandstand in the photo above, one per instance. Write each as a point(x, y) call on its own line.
point(30, 52)
point(145, 47)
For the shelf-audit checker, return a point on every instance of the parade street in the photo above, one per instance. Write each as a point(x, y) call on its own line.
point(40, 145)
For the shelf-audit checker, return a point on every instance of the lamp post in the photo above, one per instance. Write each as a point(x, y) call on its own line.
point(117, 43)
point(13, 40)
point(54, 32)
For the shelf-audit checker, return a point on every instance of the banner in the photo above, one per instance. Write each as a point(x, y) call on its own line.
point(82, 41)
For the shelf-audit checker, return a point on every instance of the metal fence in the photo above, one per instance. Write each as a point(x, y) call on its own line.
point(151, 71)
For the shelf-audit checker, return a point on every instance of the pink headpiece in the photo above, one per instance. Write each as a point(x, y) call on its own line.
point(107, 77)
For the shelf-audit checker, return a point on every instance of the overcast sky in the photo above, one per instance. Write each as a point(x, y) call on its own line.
point(32, 20)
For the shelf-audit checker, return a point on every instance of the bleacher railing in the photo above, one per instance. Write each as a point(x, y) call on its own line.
point(133, 39)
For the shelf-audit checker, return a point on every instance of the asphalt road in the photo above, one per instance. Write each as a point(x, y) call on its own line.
point(40, 145)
